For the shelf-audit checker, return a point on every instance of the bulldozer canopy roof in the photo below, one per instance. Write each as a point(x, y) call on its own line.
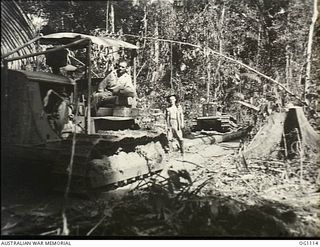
point(66, 38)
point(43, 77)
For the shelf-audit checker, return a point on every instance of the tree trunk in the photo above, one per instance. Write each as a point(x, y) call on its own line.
point(171, 67)
point(145, 25)
point(112, 18)
point(208, 81)
point(155, 54)
point(287, 67)
point(156, 44)
point(220, 37)
point(309, 50)
point(135, 71)
point(107, 18)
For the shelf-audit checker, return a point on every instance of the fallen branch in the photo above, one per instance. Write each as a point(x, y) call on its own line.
point(165, 40)
point(96, 226)
point(269, 168)
point(249, 186)
point(259, 73)
point(278, 187)
point(192, 163)
point(226, 57)
point(275, 170)
point(200, 186)
point(248, 105)
point(144, 64)
point(56, 231)
point(269, 160)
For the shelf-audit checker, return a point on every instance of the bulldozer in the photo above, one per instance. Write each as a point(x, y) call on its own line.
point(47, 119)
point(213, 119)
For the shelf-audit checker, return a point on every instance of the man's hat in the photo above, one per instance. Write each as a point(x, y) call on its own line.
point(172, 94)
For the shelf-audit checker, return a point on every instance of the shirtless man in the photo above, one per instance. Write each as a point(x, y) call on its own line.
point(175, 121)
point(116, 86)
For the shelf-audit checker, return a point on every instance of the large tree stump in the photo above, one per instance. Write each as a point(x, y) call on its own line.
point(284, 131)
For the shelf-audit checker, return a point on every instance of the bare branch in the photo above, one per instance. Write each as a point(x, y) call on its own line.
point(228, 58)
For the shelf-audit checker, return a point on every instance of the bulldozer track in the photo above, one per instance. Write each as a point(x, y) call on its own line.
point(92, 152)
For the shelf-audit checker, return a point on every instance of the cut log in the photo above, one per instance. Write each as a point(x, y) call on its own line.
point(212, 138)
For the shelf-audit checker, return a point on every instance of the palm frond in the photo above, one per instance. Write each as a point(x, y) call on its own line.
point(16, 29)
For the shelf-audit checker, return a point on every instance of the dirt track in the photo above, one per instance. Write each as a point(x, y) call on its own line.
point(271, 196)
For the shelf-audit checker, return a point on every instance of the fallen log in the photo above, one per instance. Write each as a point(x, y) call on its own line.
point(212, 138)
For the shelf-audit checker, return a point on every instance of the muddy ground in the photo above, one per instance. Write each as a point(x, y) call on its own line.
point(210, 192)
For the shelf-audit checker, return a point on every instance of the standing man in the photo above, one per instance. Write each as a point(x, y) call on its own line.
point(175, 121)
point(116, 88)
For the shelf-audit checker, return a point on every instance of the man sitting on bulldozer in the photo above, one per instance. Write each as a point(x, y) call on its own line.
point(115, 89)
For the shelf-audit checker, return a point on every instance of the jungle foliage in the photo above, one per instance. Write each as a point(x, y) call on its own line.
point(268, 35)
